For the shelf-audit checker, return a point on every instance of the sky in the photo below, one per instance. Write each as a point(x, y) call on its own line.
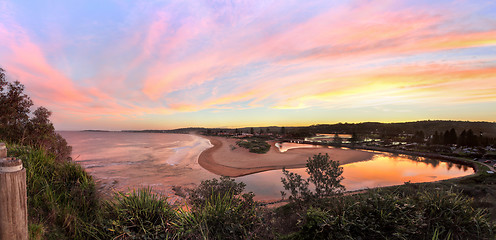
point(168, 64)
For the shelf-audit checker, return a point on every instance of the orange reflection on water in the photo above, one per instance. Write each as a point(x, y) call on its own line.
point(387, 170)
point(381, 170)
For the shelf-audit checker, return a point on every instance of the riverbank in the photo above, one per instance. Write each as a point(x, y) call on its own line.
point(227, 159)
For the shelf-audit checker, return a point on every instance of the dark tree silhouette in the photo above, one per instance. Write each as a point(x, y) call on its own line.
point(17, 126)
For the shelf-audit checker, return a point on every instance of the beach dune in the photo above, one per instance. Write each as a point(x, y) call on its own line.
point(227, 159)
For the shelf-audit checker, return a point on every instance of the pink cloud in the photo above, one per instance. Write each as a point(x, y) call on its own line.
point(28, 64)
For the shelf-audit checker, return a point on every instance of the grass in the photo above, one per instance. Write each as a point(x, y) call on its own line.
point(61, 195)
point(223, 216)
point(140, 214)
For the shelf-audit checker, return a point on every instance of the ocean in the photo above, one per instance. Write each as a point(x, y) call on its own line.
point(124, 160)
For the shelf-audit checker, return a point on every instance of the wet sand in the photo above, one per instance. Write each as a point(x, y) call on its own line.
point(227, 159)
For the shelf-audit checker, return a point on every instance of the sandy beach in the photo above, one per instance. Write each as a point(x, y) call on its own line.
point(227, 159)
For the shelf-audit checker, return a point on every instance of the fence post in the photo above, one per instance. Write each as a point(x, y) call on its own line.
point(13, 198)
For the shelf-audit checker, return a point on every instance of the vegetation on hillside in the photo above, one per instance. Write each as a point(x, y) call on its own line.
point(382, 214)
point(62, 199)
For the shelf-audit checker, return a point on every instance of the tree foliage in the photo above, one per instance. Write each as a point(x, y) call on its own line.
point(14, 109)
point(381, 214)
point(254, 145)
point(18, 124)
point(324, 174)
point(220, 211)
point(208, 188)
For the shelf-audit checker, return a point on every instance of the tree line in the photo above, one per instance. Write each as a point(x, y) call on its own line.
point(466, 138)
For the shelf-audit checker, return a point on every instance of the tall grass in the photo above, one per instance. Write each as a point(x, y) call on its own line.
point(61, 195)
point(382, 214)
point(223, 216)
point(140, 214)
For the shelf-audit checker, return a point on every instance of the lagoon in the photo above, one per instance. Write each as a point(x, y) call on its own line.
point(383, 169)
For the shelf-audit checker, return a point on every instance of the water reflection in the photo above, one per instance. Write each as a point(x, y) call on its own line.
point(381, 170)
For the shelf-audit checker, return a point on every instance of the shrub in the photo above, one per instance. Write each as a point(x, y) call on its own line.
point(140, 214)
point(61, 196)
point(214, 187)
point(451, 214)
point(254, 145)
point(220, 211)
point(391, 215)
point(325, 175)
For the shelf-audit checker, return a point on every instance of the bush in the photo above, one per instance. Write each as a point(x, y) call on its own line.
point(389, 215)
point(139, 215)
point(199, 196)
point(61, 196)
point(220, 211)
point(451, 214)
point(325, 175)
point(254, 145)
point(223, 216)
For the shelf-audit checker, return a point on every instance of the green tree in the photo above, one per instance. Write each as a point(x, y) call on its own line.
point(446, 137)
point(14, 110)
point(16, 125)
point(453, 139)
point(252, 131)
point(324, 174)
point(436, 138)
point(462, 139)
point(450, 137)
point(472, 140)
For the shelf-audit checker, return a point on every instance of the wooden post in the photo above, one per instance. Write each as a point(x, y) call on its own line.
point(13, 198)
point(3, 150)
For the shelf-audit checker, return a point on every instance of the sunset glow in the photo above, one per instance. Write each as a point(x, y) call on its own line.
point(169, 64)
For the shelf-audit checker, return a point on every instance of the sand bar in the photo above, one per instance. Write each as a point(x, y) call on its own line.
point(227, 159)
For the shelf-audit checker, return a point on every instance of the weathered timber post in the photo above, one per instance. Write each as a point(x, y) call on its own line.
point(13, 198)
